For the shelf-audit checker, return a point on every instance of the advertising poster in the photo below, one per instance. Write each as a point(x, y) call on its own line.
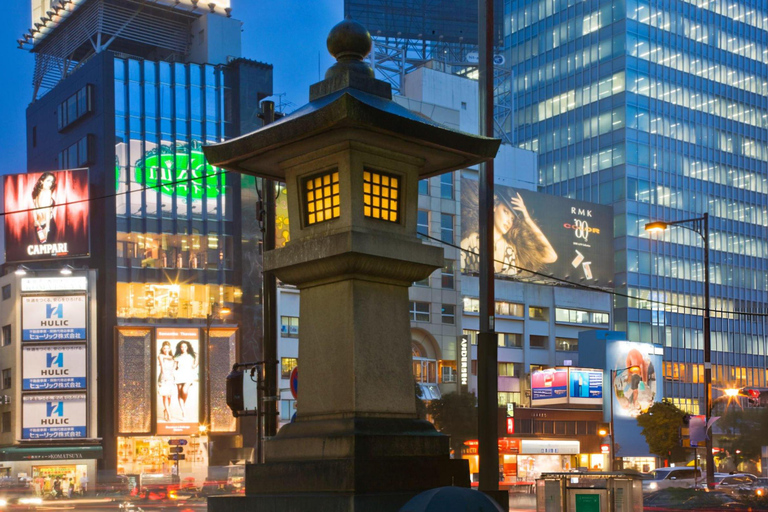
point(177, 370)
point(635, 385)
point(553, 236)
point(47, 215)
point(585, 386)
point(54, 416)
point(549, 387)
point(53, 317)
point(53, 367)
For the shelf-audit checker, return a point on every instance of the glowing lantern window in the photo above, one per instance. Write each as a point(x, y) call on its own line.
point(381, 196)
point(321, 195)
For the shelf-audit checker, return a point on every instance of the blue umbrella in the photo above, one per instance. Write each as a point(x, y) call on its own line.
point(451, 499)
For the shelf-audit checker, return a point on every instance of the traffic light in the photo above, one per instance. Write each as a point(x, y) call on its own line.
point(757, 397)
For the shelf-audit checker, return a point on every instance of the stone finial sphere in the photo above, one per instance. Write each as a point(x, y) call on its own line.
point(349, 39)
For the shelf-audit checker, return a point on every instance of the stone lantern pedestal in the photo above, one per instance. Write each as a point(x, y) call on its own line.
point(351, 160)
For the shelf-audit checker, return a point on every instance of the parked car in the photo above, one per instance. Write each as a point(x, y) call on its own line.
point(673, 499)
point(663, 478)
point(760, 487)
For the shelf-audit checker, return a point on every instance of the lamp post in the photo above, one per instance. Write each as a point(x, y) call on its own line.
point(216, 311)
point(700, 226)
point(613, 432)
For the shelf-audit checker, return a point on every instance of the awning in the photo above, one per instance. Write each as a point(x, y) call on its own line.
point(51, 453)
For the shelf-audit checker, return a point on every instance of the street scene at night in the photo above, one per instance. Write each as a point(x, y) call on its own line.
point(384, 255)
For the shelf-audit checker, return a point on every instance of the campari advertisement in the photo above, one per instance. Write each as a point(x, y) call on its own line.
point(46, 215)
point(53, 318)
point(53, 367)
point(53, 416)
point(550, 235)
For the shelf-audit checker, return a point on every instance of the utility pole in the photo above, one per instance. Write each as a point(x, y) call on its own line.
point(269, 347)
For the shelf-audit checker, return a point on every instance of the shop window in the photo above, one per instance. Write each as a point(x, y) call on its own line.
point(165, 251)
point(169, 300)
point(6, 335)
point(287, 364)
point(7, 381)
point(541, 342)
point(448, 314)
point(289, 326)
point(538, 313)
point(419, 311)
point(6, 292)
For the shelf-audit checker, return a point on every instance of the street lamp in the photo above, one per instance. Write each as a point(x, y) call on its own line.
point(700, 226)
point(216, 311)
point(613, 392)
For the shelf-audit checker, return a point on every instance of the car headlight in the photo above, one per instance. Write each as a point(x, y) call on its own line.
point(3, 502)
point(759, 492)
point(31, 501)
point(653, 486)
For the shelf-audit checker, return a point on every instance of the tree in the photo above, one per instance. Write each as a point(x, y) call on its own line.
point(661, 428)
point(738, 427)
point(456, 415)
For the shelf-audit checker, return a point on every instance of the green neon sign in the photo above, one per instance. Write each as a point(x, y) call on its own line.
point(182, 172)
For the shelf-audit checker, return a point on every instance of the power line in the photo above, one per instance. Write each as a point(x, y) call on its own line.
point(596, 288)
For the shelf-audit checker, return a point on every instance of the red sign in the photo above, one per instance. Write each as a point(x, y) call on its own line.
point(294, 379)
point(605, 448)
point(510, 425)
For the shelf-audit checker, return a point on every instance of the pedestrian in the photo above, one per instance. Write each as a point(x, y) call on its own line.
point(70, 488)
point(56, 488)
point(83, 484)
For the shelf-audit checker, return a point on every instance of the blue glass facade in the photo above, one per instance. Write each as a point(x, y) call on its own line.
point(660, 108)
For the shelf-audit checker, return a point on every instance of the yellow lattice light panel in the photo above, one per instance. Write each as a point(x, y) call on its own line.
point(381, 196)
point(322, 197)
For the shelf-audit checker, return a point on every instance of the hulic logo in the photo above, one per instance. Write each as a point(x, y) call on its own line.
point(54, 409)
point(56, 310)
point(55, 359)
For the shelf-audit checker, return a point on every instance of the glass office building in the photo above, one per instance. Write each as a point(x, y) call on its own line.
point(660, 108)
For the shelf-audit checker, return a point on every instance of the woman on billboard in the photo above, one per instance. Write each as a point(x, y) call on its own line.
point(518, 242)
point(186, 371)
point(44, 200)
point(166, 380)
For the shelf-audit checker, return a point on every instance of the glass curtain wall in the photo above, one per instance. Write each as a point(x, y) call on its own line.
point(660, 108)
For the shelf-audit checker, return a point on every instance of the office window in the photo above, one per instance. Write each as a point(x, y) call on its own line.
point(6, 292)
point(566, 344)
point(7, 382)
point(537, 313)
point(471, 336)
point(510, 369)
point(79, 154)
point(447, 276)
point(289, 326)
point(448, 373)
point(424, 282)
point(424, 187)
point(6, 335)
point(539, 341)
point(446, 185)
point(422, 222)
point(287, 364)
point(509, 309)
point(471, 305)
point(448, 312)
point(420, 311)
point(510, 340)
point(446, 228)
point(75, 107)
point(6, 425)
point(506, 397)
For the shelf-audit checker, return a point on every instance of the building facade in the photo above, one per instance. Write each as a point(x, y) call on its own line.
point(661, 110)
point(168, 244)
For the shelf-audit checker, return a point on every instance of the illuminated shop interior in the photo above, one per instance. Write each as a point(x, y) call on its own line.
point(172, 300)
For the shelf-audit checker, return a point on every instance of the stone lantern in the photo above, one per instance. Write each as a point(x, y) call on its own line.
point(351, 160)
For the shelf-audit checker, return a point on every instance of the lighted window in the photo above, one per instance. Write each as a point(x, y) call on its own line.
point(381, 196)
point(322, 197)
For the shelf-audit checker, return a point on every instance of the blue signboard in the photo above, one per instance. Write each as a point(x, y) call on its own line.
point(586, 386)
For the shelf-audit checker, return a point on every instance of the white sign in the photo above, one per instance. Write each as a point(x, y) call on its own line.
point(474, 58)
point(53, 367)
point(464, 361)
point(54, 284)
point(53, 318)
point(53, 416)
point(535, 446)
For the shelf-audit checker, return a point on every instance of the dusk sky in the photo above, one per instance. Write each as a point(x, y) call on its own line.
point(290, 34)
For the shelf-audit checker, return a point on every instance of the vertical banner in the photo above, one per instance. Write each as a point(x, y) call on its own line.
point(53, 317)
point(177, 380)
point(53, 367)
point(54, 417)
